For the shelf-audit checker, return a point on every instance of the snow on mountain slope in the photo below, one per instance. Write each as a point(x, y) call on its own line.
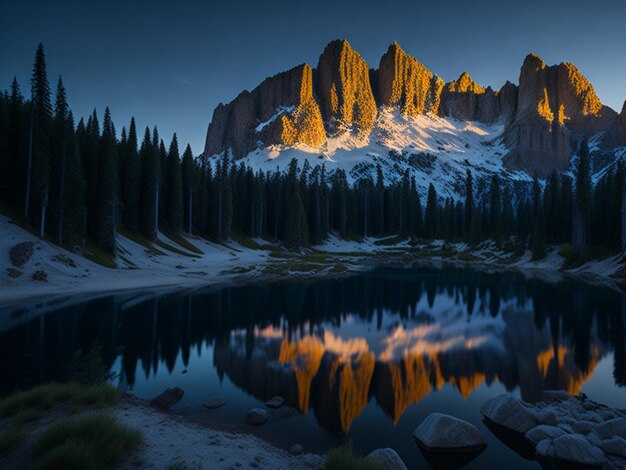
point(433, 149)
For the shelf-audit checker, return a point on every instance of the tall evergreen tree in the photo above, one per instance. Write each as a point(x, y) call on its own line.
point(582, 208)
point(130, 179)
point(188, 170)
point(107, 186)
point(431, 217)
point(149, 157)
point(38, 171)
point(174, 189)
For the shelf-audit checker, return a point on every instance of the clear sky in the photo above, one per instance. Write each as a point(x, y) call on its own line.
point(170, 63)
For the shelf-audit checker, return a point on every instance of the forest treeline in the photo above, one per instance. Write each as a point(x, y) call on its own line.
point(80, 181)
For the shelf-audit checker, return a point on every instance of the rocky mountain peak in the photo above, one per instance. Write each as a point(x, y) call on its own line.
point(465, 84)
point(344, 89)
point(557, 106)
point(621, 127)
point(403, 81)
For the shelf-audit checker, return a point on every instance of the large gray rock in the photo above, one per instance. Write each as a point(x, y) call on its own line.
point(257, 416)
point(613, 427)
point(541, 432)
point(615, 445)
point(509, 412)
point(386, 459)
point(575, 449)
point(439, 432)
point(21, 253)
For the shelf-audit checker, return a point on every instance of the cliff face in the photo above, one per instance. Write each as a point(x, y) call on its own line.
point(344, 90)
point(621, 127)
point(553, 108)
point(281, 110)
point(406, 83)
point(556, 107)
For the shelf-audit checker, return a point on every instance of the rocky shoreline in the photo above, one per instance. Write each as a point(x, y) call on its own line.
point(559, 431)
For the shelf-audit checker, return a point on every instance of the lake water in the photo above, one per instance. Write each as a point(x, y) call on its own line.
point(365, 358)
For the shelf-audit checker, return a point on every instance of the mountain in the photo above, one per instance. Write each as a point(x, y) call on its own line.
point(403, 117)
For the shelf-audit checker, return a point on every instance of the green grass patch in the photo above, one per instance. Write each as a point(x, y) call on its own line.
point(94, 442)
point(467, 256)
point(281, 255)
point(238, 270)
point(344, 458)
point(135, 237)
point(43, 397)
point(246, 241)
point(12, 438)
point(575, 257)
point(186, 244)
point(99, 256)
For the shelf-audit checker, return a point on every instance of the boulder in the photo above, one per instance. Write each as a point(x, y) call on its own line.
point(296, 449)
point(168, 398)
point(613, 427)
point(615, 445)
point(509, 412)
point(21, 253)
point(40, 275)
point(547, 416)
point(537, 434)
point(575, 449)
point(256, 416)
point(440, 432)
point(215, 402)
point(275, 402)
point(386, 459)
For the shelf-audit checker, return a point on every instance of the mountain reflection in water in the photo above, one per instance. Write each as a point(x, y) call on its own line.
point(332, 346)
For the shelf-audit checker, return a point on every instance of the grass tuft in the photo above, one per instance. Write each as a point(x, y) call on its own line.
point(29, 404)
point(94, 442)
point(344, 458)
point(12, 438)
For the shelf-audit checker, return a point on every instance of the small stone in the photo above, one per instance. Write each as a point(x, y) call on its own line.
point(440, 432)
point(215, 402)
point(541, 432)
point(256, 416)
point(313, 460)
point(594, 439)
point(13, 273)
point(168, 398)
point(589, 405)
point(296, 449)
point(575, 449)
point(275, 402)
point(566, 427)
point(549, 396)
point(613, 427)
point(509, 412)
point(386, 459)
point(40, 276)
point(258, 457)
point(544, 448)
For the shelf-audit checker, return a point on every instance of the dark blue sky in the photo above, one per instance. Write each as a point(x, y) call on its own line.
point(170, 63)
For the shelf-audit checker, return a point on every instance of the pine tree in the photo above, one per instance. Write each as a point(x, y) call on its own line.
point(149, 158)
point(538, 235)
point(174, 190)
point(107, 199)
point(73, 190)
point(470, 209)
point(188, 170)
point(38, 171)
point(582, 208)
point(130, 180)
point(16, 146)
point(60, 141)
point(431, 222)
point(495, 210)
